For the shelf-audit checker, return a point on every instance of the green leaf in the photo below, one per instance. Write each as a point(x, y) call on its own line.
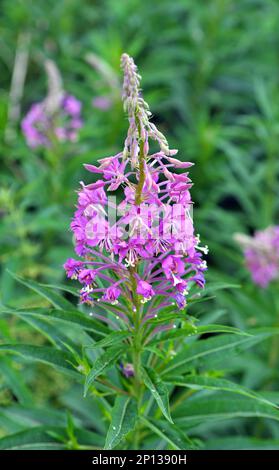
point(170, 433)
point(192, 412)
point(214, 286)
point(102, 363)
point(64, 288)
point(156, 350)
point(10, 424)
point(168, 314)
point(159, 391)
point(59, 359)
point(30, 416)
point(111, 339)
point(213, 348)
point(241, 443)
point(191, 330)
point(89, 438)
point(198, 382)
point(48, 438)
point(72, 316)
point(85, 408)
point(55, 299)
point(205, 329)
point(51, 332)
point(31, 439)
point(123, 420)
point(14, 380)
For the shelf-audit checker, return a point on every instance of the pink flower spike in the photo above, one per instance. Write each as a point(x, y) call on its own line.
point(133, 227)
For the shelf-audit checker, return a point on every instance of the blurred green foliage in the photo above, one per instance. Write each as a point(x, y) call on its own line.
point(211, 76)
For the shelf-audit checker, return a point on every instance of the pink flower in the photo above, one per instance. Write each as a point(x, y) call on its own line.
point(87, 276)
point(145, 289)
point(71, 105)
point(111, 294)
point(128, 369)
point(72, 267)
point(111, 169)
point(180, 300)
point(173, 266)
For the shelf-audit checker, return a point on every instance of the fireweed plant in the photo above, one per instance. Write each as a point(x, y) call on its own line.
point(139, 253)
point(149, 375)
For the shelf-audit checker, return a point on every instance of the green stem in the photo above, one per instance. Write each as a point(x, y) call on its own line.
point(138, 197)
point(137, 343)
point(138, 388)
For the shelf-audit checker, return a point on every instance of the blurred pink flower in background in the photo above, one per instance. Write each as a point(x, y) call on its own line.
point(40, 125)
point(102, 102)
point(261, 254)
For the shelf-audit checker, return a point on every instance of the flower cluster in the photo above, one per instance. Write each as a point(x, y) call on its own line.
point(138, 254)
point(41, 125)
point(262, 254)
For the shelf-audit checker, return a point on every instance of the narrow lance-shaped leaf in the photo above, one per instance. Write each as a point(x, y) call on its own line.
point(214, 286)
point(191, 412)
point(191, 330)
point(241, 443)
point(123, 421)
point(14, 380)
point(111, 339)
point(102, 363)
point(31, 439)
point(159, 391)
point(54, 357)
point(72, 316)
point(200, 352)
point(55, 299)
point(54, 335)
point(169, 433)
point(197, 382)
